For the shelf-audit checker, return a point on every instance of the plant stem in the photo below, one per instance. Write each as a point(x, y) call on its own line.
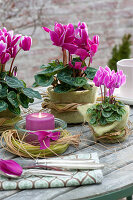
point(109, 96)
point(101, 93)
point(89, 62)
point(2, 66)
point(74, 74)
point(105, 91)
point(13, 62)
point(64, 57)
point(83, 61)
point(70, 57)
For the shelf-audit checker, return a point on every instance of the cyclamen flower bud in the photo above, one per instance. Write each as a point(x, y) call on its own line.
point(25, 43)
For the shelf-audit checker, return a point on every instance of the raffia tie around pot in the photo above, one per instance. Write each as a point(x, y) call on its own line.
point(64, 105)
point(111, 133)
point(17, 145)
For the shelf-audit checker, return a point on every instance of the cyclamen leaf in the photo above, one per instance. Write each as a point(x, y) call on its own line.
point(43, 80)
point(31, 100)
point(3, 105)
point(3, 91)
point(102, 121)
point(87, 86)
point(24, 84)
point(23, 99)
point(90, 72)
point(12, 98)
point(118, 117)
point(114, 117)
point(99, 115)
point(94, 114)
point(29, 92)
point(2, 75)
point(13, 82)
point(105, 105)
point(113, 107)
point(43, 67)
point(13, 109)
point(120, 103)
point(121, 111)
point(98, 107)
point(89, 111)
point(35, 84)
point(106, 114)
point(65, 76)
point(107, 109)
point(64, 88)
point(51, 70)
point(92, 120)
point(77, 59)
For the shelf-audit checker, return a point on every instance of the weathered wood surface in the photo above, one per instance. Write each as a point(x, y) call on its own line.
point(118, 171)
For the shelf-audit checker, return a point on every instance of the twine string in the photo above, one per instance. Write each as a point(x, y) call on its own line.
point(18, 146)
point(71, 107)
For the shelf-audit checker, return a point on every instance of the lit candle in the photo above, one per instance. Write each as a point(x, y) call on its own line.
point(40, 121)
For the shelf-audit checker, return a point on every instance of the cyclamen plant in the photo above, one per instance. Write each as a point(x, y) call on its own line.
point(72, 73)
point(13, 92)
point(110, 109)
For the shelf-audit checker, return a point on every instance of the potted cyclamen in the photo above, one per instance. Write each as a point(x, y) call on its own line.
point(107, 119)
point(69, 79)
point(13, 92)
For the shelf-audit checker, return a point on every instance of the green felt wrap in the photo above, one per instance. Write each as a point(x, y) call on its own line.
point(80, 97)
point(101, 130)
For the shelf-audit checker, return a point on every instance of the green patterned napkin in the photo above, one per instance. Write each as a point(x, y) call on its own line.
point(79, 178)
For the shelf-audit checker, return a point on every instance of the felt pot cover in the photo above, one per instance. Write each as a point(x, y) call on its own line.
point(79, 97)
point(8, 120)
point(102, 130)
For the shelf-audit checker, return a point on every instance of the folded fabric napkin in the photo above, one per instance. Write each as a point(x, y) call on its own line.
point(33, 182)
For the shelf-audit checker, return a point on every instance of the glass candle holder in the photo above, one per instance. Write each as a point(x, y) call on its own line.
point(20, 126)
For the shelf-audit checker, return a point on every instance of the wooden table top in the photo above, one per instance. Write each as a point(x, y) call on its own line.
point(118, 171)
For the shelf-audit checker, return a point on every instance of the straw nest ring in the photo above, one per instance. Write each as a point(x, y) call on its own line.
point(13, 142)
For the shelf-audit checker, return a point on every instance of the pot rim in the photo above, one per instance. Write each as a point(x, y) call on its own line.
point(50, 89)
point(125, 63)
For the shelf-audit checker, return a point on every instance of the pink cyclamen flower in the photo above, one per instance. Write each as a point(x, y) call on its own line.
point(100, 76)
point(86, 47)
point(5, 57)
point(2, 47)
point(44, 138)
point(78, 66)
point(9, 44)
point(63, 36)
point(25, 43)
point(10, 167)
point(120, 79)
point(109, 78)
point(95, 39)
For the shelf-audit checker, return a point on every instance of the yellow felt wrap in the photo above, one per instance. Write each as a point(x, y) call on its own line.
point(62, 100)
point(83, 96)
point(101, 130)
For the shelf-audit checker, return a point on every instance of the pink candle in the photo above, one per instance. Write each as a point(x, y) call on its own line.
point(40, 121)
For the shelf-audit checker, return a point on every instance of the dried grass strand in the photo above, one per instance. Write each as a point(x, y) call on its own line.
point(17, 145)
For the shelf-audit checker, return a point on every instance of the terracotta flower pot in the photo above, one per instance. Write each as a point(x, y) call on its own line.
point(64, 105)
point(8, 120)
